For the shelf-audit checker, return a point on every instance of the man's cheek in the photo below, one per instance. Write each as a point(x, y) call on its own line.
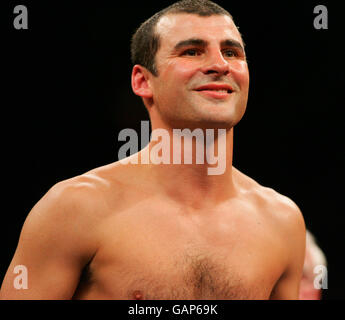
point(239, 70)
point(183, 70)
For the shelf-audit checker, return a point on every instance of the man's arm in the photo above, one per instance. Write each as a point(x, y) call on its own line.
point(56, 241)
point(293, 232)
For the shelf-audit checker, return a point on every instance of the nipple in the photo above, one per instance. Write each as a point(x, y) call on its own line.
point(137, 295)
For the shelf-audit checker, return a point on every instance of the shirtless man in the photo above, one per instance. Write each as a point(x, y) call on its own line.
point(168, 231)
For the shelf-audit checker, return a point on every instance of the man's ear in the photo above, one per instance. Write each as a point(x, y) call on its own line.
point(140, 82)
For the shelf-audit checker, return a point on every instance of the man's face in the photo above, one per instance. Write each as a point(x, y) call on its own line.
point(203, 76)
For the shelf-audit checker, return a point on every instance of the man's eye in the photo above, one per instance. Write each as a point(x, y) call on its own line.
point(230, 53)
point(191, 52)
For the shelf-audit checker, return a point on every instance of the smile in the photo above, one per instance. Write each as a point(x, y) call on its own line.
point(218, 91)
point(217, 94)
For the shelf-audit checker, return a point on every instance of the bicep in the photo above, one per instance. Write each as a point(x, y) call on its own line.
point(53, 251)
point(35, 275)
point(288, 285)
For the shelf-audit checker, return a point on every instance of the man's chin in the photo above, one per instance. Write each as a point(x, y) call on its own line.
point(225, 118)
point(209, 123)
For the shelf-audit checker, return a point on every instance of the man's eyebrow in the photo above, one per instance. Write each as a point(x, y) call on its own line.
point(232, 43)
point(203, 43)
point(191, 42)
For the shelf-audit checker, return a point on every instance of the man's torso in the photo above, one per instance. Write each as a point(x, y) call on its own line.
point(150, 248)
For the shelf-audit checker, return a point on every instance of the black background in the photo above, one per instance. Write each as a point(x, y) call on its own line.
point(65, 96)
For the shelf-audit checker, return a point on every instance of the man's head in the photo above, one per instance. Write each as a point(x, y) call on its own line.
point(190, 66)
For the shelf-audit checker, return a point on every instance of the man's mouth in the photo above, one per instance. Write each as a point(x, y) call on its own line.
point(218, 91)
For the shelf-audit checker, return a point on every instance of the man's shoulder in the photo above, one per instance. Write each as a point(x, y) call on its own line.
point(270, 202)
point(84, 187)
point(80, 194)
point(97, 190)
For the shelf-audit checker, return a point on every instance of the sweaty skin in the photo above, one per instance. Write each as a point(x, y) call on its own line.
point(148, 231)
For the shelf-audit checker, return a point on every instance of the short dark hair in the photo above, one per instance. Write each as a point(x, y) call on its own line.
point(145, 41)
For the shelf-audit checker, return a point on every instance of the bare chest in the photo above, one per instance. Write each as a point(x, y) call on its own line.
point(164, 261)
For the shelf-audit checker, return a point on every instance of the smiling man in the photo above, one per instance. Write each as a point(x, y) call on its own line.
point(169, 231)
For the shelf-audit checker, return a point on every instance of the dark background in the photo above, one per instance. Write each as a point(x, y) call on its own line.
point(65, 96)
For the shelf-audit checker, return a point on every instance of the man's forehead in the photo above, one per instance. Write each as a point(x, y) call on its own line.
point(176, 27)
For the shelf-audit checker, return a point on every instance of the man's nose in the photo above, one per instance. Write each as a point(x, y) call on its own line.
point(216, 64)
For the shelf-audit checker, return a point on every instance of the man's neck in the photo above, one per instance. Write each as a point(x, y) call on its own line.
point(200, 184)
